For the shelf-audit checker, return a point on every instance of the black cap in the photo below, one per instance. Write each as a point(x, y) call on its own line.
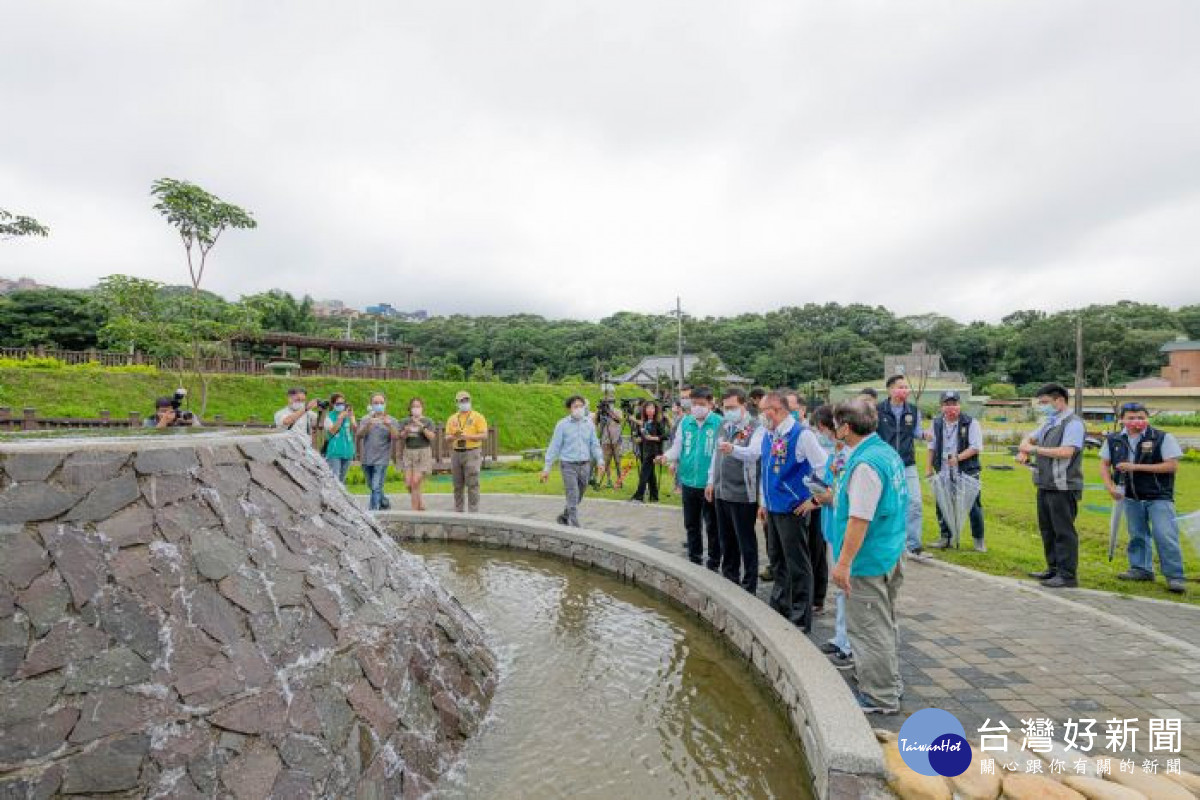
point(950, 395)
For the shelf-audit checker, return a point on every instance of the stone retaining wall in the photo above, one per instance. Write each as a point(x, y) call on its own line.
point(842, 752)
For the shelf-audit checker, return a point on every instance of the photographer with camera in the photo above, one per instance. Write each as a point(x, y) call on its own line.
point(649, 431)
point(608, 430)
point(376, 435)
point(298, 416)
point(340, 426)
point(169, 414)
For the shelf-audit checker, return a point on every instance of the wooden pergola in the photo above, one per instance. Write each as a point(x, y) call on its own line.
point(336, 348)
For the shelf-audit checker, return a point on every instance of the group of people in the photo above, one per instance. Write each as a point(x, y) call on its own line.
point(838, 493)
point(378, 439)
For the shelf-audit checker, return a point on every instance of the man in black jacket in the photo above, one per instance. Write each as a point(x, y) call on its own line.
point(956, 444)
point(900, 426)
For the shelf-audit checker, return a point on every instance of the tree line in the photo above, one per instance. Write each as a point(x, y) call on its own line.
point(791, 346)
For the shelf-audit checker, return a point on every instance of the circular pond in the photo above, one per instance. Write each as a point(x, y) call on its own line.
point(607, 691)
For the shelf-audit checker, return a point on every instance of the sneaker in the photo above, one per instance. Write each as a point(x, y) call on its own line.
point(829, 648)
point(940, 544)
point(1059, 582)
point(980, 547)
point(562, 519)
point(1176, 585)
point(919, 556)
point(842, 661)
point(635, 500)
point(1043, 575)
point(869, 706)
point(1134, 575)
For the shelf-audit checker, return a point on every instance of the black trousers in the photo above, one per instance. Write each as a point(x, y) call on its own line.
point(1056, 512)
point(699, 513)
point(773, 554)
point(647, 479)
point(818, 557)
point(791, 595)
point(739, 542)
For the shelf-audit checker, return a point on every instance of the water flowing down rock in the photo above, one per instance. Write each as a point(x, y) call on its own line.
point(211, 615)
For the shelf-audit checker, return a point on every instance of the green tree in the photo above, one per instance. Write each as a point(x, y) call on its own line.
point(15, 225)
point(482, 371)
point(708, 371)
point(200, 218)
point(49, 317)
point(539, 376)
point(278, 310)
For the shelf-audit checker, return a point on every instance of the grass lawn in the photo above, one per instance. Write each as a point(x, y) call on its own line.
point(1014, 544)
point(524, 414)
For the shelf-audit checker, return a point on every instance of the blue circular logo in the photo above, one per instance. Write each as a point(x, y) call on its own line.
point(933, 742)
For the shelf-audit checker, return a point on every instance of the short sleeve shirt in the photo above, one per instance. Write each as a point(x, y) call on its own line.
point(471, 423)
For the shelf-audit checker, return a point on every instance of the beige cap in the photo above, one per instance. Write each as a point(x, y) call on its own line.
point(458, 398)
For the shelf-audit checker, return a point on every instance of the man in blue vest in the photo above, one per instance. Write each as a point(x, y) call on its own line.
point(788, 454)
point(867, 540)
point(1057, 447)
point(1138, 466)
point(956, 445)
point(900, 426)
point(690, 457)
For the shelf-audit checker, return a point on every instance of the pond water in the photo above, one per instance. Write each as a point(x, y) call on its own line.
point(607, 691)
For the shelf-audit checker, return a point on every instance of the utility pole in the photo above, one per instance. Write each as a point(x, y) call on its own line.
point(1079, 365)
point(679, 344)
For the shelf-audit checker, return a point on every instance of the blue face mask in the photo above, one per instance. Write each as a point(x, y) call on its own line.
point(339, 407)
point(826, 443)
point(1046, 410)
point(733, 415)
point(377, 407)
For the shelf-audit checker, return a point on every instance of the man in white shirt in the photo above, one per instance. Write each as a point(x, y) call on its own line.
point(298, 416)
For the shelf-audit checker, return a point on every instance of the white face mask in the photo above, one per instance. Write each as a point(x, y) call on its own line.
point(733, 415)
point(700, 413)
point(464, 406)
point(296, 405)
point(577, 412)
point(416, 412)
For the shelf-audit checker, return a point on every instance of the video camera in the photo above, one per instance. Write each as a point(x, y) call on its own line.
point(177, 400)
point(630, 405)
point(323, 405)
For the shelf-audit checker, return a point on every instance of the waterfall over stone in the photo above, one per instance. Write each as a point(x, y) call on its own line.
point(209, 615)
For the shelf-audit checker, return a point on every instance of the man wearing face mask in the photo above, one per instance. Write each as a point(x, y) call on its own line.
point(375, 437)
point(788, 454)
point(1057, 447)
point(465, 433)
point(733, 488)
point(900, 426)
point(957, 443)
point(575, 446)
point(1138, 466)
point(299, 416)
point(690, 457)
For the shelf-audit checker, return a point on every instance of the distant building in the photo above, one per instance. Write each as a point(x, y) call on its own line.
point(382, 310)
point(920, 363)
point(1183, 363)
point(19, 285)
point(648, 371)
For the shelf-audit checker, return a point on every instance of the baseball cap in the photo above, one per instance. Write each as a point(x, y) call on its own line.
point(458, 398)
point(950, 396)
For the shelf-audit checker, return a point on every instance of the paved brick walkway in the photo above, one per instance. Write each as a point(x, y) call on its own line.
point(985, 647)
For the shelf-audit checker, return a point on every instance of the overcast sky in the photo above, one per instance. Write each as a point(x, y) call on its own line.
point(577, 158)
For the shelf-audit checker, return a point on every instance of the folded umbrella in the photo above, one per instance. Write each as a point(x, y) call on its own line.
point(1114, 525)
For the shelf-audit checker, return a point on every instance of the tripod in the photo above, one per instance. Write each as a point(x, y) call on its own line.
point(612, 451)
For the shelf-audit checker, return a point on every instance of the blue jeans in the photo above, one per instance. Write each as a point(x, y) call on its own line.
point(375, 474)
point(340, 467)
point(1153, 518)
point(913, 518)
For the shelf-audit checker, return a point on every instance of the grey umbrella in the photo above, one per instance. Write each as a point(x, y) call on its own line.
point(954, 492)
point(1114, 525)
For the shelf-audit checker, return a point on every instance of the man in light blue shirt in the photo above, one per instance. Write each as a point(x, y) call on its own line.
point(575, 446)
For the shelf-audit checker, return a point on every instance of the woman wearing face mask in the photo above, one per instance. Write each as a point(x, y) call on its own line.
point(575, 446)
point(648, 435)
point(376, 435)
point(340, 426)
point(417, 456)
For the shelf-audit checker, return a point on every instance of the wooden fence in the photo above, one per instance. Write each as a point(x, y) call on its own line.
point(28, 420)
point(224, 366)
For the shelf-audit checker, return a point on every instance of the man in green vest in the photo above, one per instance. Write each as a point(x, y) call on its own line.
point(690, 457)
point(867, 541)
